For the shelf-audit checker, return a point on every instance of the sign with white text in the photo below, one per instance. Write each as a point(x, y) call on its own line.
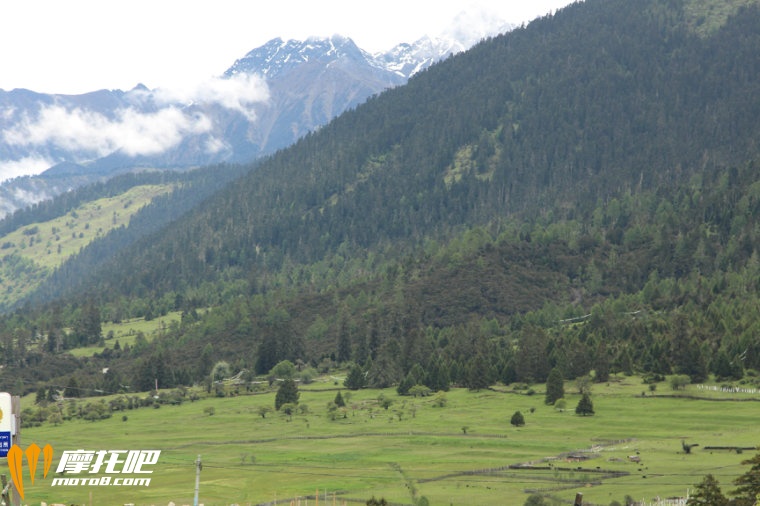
point(6, 422)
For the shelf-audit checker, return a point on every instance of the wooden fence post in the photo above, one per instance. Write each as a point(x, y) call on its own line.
point(5, 495)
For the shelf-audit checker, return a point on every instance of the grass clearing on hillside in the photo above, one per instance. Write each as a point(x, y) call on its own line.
point(465, 453)
point(33, 251)
point(126, 332)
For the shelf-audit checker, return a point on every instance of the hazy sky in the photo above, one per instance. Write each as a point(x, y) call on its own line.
point(75, 46)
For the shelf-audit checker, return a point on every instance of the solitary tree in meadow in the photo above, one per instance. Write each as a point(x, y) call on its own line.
point(585, 407)
point(518, 420)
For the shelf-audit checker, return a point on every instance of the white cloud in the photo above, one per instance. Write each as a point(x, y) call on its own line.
point(29, 166)
point(131, 131)
point(214, 145)
point(237, 93)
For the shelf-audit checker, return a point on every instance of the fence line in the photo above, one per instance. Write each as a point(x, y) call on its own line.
point(677, 501)
point(728, 389)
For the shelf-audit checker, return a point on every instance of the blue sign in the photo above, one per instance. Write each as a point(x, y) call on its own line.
point(5, 443)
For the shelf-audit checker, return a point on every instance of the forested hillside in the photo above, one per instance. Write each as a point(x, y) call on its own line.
point(579, 193)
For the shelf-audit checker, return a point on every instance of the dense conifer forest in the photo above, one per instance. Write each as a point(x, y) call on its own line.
point(579, 194)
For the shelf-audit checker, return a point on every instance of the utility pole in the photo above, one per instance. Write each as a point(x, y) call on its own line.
point(198, 467)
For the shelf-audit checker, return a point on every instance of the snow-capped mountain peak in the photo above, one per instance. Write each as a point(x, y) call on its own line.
point(277, 57)
point(467, 29)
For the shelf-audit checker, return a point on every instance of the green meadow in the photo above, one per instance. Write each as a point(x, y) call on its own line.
point(126, 332)
point(463, 453)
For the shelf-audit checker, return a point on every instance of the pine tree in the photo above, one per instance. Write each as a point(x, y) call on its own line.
point(438, 376)
point(477, 375)
point(555, 387)
point(707, 493)
point(355, 379)
point(518, 420)
point(344, 342)
point(749, 483)
point(585, 407)
point(339, 400)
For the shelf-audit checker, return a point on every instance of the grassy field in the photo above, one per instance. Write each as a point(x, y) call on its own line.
point(465, 453)
point(126, 332)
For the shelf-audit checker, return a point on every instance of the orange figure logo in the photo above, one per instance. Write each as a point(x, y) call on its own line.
point(15, 464)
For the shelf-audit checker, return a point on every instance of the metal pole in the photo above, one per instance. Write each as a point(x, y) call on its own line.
point(16, 439)
point(198, 467)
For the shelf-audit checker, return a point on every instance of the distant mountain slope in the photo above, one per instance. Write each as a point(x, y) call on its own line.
point(601, 99)
point(235, 118)
point(73, 234)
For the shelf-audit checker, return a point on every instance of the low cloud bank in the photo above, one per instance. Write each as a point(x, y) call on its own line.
point(158, 121)
point(29, 166)
point(238, 93)
point(131, 131)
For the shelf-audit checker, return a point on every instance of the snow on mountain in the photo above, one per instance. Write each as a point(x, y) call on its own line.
point(466, 30)
point(276, 58)
point(265, 101)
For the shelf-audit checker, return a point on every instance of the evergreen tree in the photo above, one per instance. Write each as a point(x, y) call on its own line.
point(344, 342)
point(477, 372)
point(415, 377)
point(339, 400)
point(41, 397)
point(384, 371)
point(438, 379)
point(555, 387)
point(268, 354)
point(355, 378)
point(72, 388)
point(286, 394)
point(88, 326)
point(405, 384)
point(518, 420)
point(707, 493)
point(532, 360)
point(601, 364)
point(585, 407)
point(748, 484)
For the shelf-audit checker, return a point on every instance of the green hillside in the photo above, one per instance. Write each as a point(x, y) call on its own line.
point(32, 252)
point(554, 172)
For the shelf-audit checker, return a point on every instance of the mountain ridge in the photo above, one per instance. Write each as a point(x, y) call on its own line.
point(309, 82)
